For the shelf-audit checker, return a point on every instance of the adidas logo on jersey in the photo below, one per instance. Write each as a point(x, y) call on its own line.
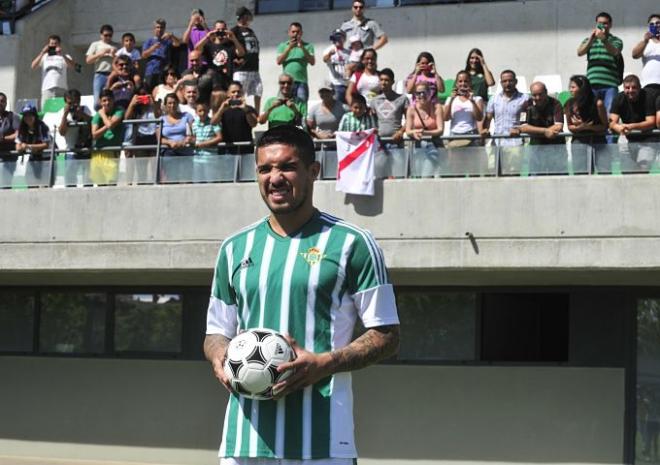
point(246, 263)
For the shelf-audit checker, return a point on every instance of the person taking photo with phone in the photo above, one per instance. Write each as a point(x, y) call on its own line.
point(604, 62)
point(286, 108)
point(648, 49)
point(53, 64)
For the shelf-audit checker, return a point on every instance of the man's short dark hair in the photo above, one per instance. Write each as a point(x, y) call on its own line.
point(243, 11)
point(297, 24)
point(55, 37)
point(127, 35)
point(161, 22)
point(235, 83)
point(387, 72)
point(106, 28)
point(604, 14)
point(106, 93)
point(508, 71)
point(632, 78)
point(654, 15)
point(358, 1)
point(2, 94)
point(72, 94)
point(292, 136)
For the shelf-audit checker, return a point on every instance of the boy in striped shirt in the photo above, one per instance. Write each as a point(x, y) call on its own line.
point(359, 118)
point(207, 137)
point(309, 276)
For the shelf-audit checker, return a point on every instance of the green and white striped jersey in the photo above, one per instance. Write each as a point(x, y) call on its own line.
point(311, 285)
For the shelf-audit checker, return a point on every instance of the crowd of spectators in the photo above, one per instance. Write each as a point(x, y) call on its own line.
point(207, 102)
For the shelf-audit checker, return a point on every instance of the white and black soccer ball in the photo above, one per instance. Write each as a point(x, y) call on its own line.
point(252, 360)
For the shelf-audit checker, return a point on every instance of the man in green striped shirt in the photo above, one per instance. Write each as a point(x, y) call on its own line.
point(603, 52)
point(309, 276)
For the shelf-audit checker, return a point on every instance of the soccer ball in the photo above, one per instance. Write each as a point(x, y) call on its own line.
point(252, 360)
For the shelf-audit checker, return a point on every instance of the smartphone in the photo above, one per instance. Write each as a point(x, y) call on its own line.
point(143, 99)
point(234, 102)
point(52, 50)
point(653, 29)
point(600, 26)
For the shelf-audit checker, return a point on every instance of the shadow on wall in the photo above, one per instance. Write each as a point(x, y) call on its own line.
point(514, 414)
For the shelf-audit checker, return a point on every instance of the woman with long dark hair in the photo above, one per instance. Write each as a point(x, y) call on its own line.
point(480, 75)
point(585, 114)
point(365, 82)
point(426, 72)
point(33, 137)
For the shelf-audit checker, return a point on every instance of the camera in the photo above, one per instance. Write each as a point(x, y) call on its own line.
point(234, 102)
point(52, 51)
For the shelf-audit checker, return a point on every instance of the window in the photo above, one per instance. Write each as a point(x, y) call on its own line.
point(523, 327)
point(72, 323)
point(148, 323)
point(647, 449)
point(437, 325)
point(16, 321)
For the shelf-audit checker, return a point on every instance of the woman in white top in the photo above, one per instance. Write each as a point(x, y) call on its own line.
point(170, 79)
point(648, 49)
point(365, 81)
point(464, 109)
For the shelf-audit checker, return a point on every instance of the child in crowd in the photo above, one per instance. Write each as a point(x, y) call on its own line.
point(206, 136)
point(130, 50)
point(355, 57)
point(358, 119)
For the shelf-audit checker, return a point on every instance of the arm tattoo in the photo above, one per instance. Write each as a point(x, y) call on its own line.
point(215, 346)
point(374, 345)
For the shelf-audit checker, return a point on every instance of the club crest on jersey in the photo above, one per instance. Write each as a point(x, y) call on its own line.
point(313, 256)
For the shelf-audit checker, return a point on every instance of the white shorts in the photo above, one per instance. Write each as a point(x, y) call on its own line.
point(263, 461)
point(251, 81)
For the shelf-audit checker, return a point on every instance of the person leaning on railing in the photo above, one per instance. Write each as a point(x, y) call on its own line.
point(323, 118)
point(634, 109)
point(107, 131)
point(585, 114)
point(33, 138)
point(544, 119)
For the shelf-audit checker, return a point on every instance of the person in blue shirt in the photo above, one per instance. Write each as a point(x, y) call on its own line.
point(156, 51)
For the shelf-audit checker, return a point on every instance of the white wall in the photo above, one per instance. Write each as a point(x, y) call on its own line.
point(170, 412)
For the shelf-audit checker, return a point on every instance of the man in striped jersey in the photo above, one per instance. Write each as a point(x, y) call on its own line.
point(310, 276)
point(603, 52)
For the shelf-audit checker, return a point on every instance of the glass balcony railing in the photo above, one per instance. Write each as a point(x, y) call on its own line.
point(407, 159)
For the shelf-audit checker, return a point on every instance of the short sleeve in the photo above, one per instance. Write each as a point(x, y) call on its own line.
point(310, 49)
point(368, 285)
point(490, 107)
point(281, 47)
point(217, 129)
point(222, 313)
point(618, 43)
point(378, 30)
point(366, 266)
point(91, 50)
point(617, 104)
point(96, 119)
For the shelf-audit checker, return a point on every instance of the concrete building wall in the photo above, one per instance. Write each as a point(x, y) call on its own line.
point(533, 37)
point(170, 412)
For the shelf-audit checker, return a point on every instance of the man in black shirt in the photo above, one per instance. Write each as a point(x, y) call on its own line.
point(247, 67)
point(220, 48)
point(634, 110)
point(545, 118)
point(237, 119)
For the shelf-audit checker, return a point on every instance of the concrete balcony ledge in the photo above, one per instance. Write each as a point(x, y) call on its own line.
point(427, 228)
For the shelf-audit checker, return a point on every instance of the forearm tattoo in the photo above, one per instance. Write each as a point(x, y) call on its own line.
point(374, 345)
point(215, 346)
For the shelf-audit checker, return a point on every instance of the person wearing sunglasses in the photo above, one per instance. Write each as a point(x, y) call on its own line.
point(370, 32)
point(286, 108)
point(123, 81)
point(648, 49)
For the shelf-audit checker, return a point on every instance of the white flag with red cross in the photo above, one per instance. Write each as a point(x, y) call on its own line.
point(355, 161)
